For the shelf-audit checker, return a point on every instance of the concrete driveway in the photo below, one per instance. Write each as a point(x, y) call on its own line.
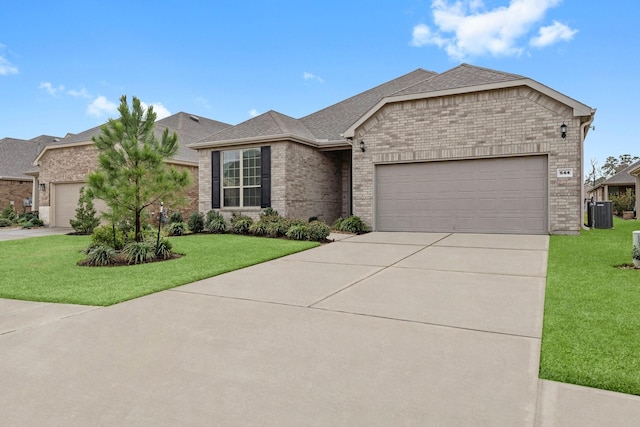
point(24, 233)
point(380, 329)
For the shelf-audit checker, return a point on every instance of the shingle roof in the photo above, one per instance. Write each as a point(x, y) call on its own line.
point(464, 75)
point(268, 125)
point(189, 128)
point(329, 123)
point(623, 177)
point(16, 157)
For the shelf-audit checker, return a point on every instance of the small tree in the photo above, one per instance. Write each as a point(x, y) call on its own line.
point(132, 173)
point(86, 219)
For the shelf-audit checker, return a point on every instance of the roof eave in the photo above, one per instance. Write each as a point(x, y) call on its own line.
point(256, 140)
point(579, 109)
point(56, 146)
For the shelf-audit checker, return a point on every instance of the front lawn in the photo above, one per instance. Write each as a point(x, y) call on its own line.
point(44, 268)
point(591, 333)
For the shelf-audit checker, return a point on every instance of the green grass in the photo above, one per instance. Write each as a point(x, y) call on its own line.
point(591, 333)
point(44, 268)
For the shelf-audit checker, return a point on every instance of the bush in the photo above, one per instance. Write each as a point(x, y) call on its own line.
point(298, 232)
point(196, 222)
point(138, 252)
point(107, 235)
point(175, 217)
point(269, 212)
point(352, 224)
point(5, 222)
point(240, 224)
point(163, 249)
point(101, 255)
point(215, 222)
point(318, 231)
point(176, 228)
point(85, 220)
point(30, 219)
point(623, 202)
point(8, 213)
point(259, 228)
point(277, 227)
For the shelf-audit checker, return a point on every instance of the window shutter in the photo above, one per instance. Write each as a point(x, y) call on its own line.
point(215, 180)
point(265, 177)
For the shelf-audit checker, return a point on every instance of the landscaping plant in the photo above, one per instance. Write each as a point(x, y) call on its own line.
point(86, 219)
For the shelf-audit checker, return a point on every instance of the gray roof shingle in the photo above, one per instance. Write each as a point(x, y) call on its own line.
point(464, 75)
point(623, 177)
point(16, 157)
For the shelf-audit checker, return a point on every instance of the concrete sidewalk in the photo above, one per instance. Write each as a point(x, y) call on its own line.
point(24, 233)
point(379, 329)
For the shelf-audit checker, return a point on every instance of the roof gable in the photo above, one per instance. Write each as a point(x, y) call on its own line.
point(623, 177)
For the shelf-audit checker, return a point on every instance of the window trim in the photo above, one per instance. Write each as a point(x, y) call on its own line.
point(241, 187)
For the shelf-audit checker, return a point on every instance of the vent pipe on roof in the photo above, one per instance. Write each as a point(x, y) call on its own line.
point(194, 118)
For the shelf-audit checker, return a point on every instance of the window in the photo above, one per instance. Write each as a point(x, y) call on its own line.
point(241, 171)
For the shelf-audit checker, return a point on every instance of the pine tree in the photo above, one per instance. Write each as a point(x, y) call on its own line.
point(86, 219)
point(132, 172)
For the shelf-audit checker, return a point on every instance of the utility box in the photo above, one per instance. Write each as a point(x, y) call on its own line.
point(603, 215)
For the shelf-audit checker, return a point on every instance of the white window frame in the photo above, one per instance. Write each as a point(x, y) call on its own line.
point(241, 187)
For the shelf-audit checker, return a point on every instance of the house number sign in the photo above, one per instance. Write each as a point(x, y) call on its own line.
point(565, 173)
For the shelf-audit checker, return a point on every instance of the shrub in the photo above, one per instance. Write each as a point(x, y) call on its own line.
point(163, 250)
point(298, 232)
point(269, 212)
point(138, 252)
point(176, 228)
point(5, 222)
point(318, 231)
point(30, 219)
point(107, 235)
point(85, 220)
point(337, 223)
point(240, 224)
point(8, 213)
point(196, 222)
point(215, 222)
point(175, 217)
point(623, 202)
point(352, 224)
point(277, 227)
point(101, 255)
point(259, 228)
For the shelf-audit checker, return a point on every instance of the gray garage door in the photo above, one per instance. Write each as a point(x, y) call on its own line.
point(65, 203)
point(506, 195)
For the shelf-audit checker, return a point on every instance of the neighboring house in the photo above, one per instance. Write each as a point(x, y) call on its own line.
point(468, 150)
point(634, 170)
point(16, 172)
point(619, 183)
point(65, 165)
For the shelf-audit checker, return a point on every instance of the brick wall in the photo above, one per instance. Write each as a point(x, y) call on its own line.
point(499, 123)
point(15, 191)
point(73, 164)
point(305, 182)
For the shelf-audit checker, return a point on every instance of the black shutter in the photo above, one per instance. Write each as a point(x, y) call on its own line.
point(265, 177)
point(215, 180)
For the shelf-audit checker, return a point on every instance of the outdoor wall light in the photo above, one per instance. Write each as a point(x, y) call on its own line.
point(362, 147)
point(563, 130)
point(43, 187)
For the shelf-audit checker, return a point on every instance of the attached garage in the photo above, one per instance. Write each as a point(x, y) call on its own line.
point(65, 203)
point(498, 195)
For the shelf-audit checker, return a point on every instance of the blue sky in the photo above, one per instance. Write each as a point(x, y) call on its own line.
point(65, 64)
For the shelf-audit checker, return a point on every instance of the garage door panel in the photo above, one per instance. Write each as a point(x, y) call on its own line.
point(507, 195)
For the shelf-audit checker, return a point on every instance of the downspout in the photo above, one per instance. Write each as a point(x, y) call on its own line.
point(583, 135)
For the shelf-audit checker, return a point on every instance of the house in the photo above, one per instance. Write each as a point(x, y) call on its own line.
point(467, 150)
point(65, 165)
point(619, 183)
point(16, 171)
point(634, 170)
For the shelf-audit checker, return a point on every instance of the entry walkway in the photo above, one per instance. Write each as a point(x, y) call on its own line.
point(379, 329)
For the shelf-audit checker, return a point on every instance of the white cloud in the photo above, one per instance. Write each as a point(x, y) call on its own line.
point(311, 76)
point(552, 34)
point(82, 93)
point(101, 107)
point(6, 67)
point(158, 108)
point(51, 90)
point(466, 28)
point(253, 112)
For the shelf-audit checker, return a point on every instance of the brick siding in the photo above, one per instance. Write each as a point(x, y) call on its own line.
point(15, 191)
point(498, 123)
